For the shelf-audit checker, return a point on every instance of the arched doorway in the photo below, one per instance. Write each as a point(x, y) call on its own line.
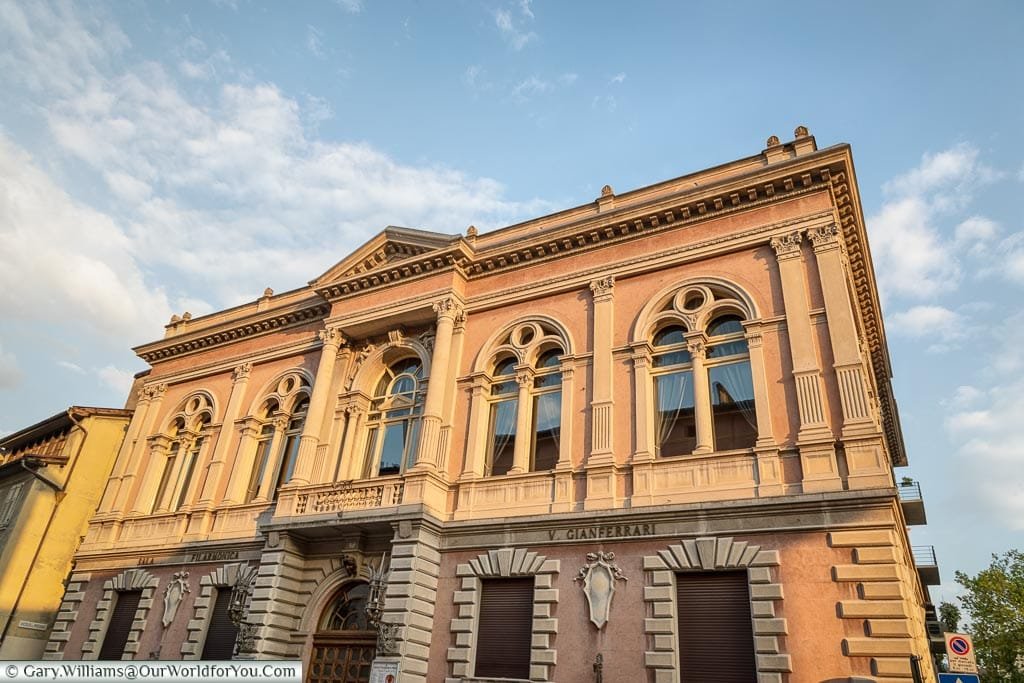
point(344, 644)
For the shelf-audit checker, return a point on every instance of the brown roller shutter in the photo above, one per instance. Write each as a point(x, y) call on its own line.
point(506, 626)
point(120, 625)
point(716, 639)
point(221, 633)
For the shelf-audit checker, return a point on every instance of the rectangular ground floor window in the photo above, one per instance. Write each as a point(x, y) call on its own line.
point(505, 628)
point(222, 632)
point(120, 624)
point(716, 635)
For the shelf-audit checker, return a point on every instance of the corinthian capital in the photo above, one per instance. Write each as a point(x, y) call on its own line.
point(241, 372)
point(824, 236)
point(603, 287)
point(154, 392)
point(787, 246)
point(448, 307)
point(332, 336)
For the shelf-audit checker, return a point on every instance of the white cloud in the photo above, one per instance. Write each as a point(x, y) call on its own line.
point(472, 75)
point(350, 6)
point(512, 34)
point(10, 373)
point(221, 192)
point(120, 381)
point(911, 258)
point(964, 396)
point(68, 365)
point(618, 78)
point(314, 41)
point(950, 177)
point(568, 78)
point(975, 230)
point(67, 261)
point(525, 90)
point(941, 328)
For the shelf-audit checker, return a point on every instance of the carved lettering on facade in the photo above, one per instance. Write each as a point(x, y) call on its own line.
point(583, 533)
point(213, 556)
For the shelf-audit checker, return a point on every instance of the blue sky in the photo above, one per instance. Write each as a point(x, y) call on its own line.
point(170, 156)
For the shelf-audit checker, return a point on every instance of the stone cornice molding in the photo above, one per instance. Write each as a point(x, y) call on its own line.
point(266, 323)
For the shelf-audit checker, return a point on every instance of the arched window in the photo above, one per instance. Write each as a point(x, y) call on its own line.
point(279, 423)
point(732, 389)
point(290, 446)
point(393, 421)
point(700, 367)
point(675, 422)
point(525, 415)
point(189, 434)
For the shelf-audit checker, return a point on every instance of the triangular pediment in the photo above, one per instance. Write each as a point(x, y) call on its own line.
point(390, 245)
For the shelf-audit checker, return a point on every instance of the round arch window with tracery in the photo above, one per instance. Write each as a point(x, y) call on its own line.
point(393, 421)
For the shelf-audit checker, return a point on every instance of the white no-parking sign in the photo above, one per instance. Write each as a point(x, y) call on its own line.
point(960, 651)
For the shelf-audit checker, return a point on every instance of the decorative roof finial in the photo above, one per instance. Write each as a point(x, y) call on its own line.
point(800, 132)
point(268, 292)
point(773, 141)
point(607, 191)
point(471, 232)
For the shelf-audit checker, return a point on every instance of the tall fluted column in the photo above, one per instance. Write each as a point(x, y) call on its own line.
point(814, 439)
point(696, 343)
point(212, 481)
point(310, 439)
point(475, 461)
point(427, 457)
point(602, 422)
point(245, 461)
point(352, 449)
point(138, 463)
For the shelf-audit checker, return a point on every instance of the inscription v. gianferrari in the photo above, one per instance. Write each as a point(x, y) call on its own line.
point(582, 533)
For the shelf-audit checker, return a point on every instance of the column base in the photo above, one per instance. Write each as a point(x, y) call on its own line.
point(426, 488)
point(770, 481)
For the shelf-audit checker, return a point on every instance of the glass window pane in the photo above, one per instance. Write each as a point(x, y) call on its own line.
point(733, 348)
point(550, 359)
point(392, 450)
point(552, 380)
point(505, 367)
point(504, 388)
point(547, 426)
point(680, 357)
point(502, 435)
point(726, 324)
point(371, 450)
point(290, 455)
point(669, 335)
point(732, 406)
point(675, 422)
point(259, 466)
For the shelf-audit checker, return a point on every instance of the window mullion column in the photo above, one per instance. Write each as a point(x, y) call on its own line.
point(242, 472)
point(171, 492)
point(524, 438)
point(273, 459)
point(479, 412)
point(696, 344)
point(353, 448)
point(153, 472)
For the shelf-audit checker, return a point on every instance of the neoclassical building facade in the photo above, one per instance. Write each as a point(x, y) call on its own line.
point(648, 438)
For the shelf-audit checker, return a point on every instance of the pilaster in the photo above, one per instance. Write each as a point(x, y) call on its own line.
point(135, 471)
point(212, 482)
point(602, 421)
point(815, 440)
point(411, 595)
point(769, 464)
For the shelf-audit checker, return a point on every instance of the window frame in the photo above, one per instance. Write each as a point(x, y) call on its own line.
point(378, 421)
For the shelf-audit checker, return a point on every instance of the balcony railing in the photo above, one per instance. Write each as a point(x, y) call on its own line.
point(927, 565)
point(349, 496)
point(912, 502)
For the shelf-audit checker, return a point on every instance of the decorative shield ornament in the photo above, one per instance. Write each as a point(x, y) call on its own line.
point(598, 578)
point(173, 595)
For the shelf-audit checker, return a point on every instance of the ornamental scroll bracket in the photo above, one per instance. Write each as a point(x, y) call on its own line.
point(598, 578)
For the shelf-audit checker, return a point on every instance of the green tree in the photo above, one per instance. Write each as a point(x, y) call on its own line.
point(949, 615)
point(994, 603)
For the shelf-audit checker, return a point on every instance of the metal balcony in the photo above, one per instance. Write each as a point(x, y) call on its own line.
point(927, 565)
point(912, 502)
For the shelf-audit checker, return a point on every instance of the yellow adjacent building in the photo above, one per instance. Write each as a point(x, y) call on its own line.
point(52, 475)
